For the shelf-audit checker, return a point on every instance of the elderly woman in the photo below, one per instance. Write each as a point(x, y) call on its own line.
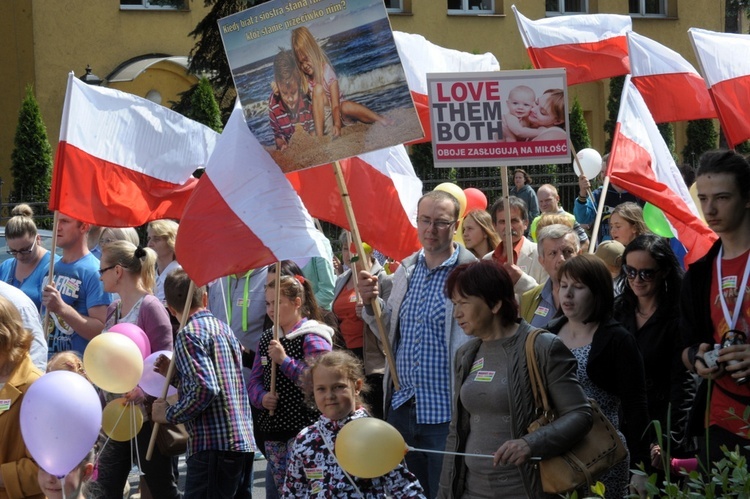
point(610, 366)
point(30, 263)
point(18, 473)
point(479, 234)
point(491, 372)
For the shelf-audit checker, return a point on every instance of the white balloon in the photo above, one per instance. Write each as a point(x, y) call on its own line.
point(151, 381)
point(591, 163)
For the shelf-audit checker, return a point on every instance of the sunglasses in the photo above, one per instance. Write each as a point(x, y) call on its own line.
point(646, 275)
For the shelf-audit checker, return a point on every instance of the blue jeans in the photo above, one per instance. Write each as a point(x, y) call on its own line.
point(425, 466)
point(217, 474)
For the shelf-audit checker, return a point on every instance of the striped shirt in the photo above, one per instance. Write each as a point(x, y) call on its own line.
point(423, 356)
point(212, 400)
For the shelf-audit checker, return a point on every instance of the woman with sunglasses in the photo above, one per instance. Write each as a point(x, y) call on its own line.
point(30, 262)
point(650, 279)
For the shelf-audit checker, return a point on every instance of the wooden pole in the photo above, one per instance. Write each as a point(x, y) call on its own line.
point(346, 200)
point(508, 232)
point(170, 371)
point(51, 270)
point(276, 327)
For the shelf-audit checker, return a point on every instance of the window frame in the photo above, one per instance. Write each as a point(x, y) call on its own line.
point(564, 12)
point(474, 12)
point(396, 10)
point(146, 5)
point(663, 4)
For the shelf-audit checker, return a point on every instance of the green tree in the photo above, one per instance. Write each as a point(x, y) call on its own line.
point(701, 137)
point(31, 159)
point(203, 106)
point(616, 85)
point(667, 132)
point(208, 57)
point(579, 130)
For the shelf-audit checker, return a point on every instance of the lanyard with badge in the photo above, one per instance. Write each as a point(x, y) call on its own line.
point(245, 298)
point(732, 319)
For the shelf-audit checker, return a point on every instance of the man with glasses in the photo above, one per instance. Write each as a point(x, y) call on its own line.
point(75, 299)
point(424, 336)
point(716, 301)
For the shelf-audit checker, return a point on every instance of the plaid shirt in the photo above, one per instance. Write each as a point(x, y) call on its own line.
point(423, 356)
point(212, 399)
point(282, 121)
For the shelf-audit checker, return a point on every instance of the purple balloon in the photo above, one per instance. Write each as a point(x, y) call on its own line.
point(61, 416)
point(152, 382)
point(136, 334)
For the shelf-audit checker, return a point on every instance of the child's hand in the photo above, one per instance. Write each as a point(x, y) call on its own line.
point(276, 352)
point(281, 143)
point(135, 395)
point(336, 132)
point(270, 401)
point(161, 365)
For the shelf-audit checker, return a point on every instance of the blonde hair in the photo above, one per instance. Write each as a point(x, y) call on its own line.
point(134, 260)
point(553, 219)
point(121, 234)
point(303, 42)
point(21, 223)
point(66, 361)
point(15, 340)
point(165, 228)
point(633, 214)
point(342, 361)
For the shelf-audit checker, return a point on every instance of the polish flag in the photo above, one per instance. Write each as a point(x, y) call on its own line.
point(123, 160)
point(724, 59)
point(243, 213)
point(670, 85)
point(641, 163)
point(589, 46)
point(419, 57)
point(384, 192)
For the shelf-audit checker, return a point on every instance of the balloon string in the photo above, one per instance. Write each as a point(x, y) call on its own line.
point(104, 445)
point(62, 485)
point(410, 448)
point(134, 430)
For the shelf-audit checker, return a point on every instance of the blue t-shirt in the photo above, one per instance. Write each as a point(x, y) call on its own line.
point(33, 284)
point(80, 287)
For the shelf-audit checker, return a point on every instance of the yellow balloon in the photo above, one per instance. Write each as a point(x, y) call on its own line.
point(457, 193)
point(694, 194)
point(121, 421)
point(113, 362)
point(459, 235)
point(369, 447)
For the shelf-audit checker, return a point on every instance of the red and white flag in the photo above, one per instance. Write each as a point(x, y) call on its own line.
point(641, 163)
point(670, 85)
point(123, 160)
point(724, 59)
point(589, 46)
point(384, 192)
point(419, 57)
point(243, 213)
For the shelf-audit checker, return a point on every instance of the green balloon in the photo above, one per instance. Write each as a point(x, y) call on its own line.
point(656, 221)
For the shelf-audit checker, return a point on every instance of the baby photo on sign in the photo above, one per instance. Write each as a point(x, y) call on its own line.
point(319, 81)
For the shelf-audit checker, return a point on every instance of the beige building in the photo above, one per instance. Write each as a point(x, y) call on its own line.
point(141, 48)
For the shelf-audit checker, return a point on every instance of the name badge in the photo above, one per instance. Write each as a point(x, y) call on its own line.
point(477, 365)
point(729, 282)
point(4, 405)
point(314, 473)
point(484, 376)
point(541, 311)
point(263, 360)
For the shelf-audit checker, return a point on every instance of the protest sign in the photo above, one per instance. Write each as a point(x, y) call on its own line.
point(319, 80)
point(499, 118)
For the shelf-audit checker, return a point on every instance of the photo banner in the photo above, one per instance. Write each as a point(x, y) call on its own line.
point(319, 80)
point(508, 118)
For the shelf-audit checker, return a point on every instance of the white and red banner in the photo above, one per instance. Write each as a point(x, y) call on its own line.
point(724, 59)
point(419, 57)
point(123, 160)
point(589, 46)
point(641, 163)
point(243, 213)
point(384, 191)
point(670, 85)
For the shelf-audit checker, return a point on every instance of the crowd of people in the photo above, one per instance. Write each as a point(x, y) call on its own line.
point(626, 326)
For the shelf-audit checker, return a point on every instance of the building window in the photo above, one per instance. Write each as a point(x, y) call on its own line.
point(559, 7)
point(471, 6)
point(394, 5)
point(153, 4)
point(647, 7)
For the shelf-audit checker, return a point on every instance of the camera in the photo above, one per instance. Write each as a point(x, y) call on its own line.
point(709, 358)
point(734, 337)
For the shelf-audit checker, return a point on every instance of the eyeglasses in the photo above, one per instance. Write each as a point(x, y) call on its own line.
point(102, 271)
point(26, 251)
point(438, 224)
point(646, 275)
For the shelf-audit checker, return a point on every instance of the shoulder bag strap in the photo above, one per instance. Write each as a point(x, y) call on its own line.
point(537, 385)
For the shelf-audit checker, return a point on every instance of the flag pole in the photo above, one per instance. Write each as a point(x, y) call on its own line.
point(508, 232)
point(354, 229)
point(170, 371)
point(355, 277)
point(277, 284)
point(51, 274)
